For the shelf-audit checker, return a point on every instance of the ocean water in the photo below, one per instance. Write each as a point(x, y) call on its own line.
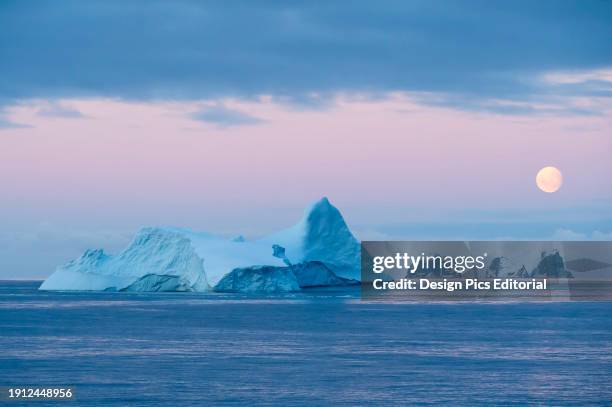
point(323, 347)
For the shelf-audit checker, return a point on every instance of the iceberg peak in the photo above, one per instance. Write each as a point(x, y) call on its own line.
point(321, 210)
point(320, 204)
point(89, 260)
point(94, 255)
point(323, 218)
point(322, 235)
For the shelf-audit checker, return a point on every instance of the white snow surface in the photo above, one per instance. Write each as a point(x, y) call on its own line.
point(201, 260)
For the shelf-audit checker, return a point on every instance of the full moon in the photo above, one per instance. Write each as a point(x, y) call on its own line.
point(549, 179)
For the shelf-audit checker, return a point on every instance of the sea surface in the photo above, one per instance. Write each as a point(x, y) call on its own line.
point(321, 347)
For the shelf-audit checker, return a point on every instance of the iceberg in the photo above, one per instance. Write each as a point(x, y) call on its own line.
point(318, 274)
point(153, 255)
point(319, 250)
point(322, 235)
point(272, 279)
point(157, 282)
point(268, 279)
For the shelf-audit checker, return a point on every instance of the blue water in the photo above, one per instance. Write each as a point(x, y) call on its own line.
point(318, 348)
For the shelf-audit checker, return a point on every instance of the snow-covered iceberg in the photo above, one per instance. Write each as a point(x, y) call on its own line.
point(322, 235)
point(153, 255)
point(320, 250)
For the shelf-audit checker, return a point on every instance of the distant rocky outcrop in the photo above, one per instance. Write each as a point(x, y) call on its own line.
point(551, 266)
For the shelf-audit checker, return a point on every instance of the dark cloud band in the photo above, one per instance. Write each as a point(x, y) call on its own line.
point(192, 50)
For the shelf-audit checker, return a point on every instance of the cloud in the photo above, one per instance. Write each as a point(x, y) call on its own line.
point(568, 234)
point(565, 103)
point(591, 222)
point(494, 231)
point(204, 50)
point(58, 110)
point(224, 117)
point(6, 123)
point(597, 235)
point(574, 77)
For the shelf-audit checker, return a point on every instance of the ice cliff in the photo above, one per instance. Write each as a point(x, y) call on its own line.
point(267, 279)
point(320, 250)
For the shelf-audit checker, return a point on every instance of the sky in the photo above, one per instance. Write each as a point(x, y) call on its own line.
point(417, 119)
